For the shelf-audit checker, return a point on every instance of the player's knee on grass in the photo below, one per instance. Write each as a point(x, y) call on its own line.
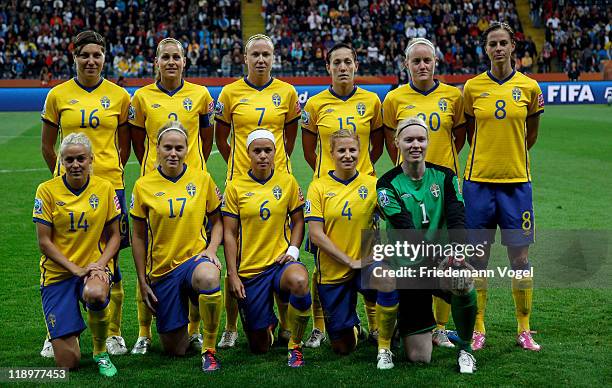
point(66, 352)
point(175, 342)
point(260, 341)
point(418, 347)
point(206, 276)
point(519, 257)
point(344, 342)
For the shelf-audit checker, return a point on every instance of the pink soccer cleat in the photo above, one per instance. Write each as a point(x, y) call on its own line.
point(525, 341)
point(478, 340)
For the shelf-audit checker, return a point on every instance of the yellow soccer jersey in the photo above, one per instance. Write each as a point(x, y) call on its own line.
point(153, 106)
point(263, 208)
point(441, 108)
point(327, 113)
point(78, 218)
point(247, 107)
point(175, 210)
point(499, 149)
point(97, 112)
point(345, 208)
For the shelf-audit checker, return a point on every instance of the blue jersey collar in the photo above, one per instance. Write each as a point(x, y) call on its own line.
point(173, 179)
point(74, 191)
point(170, 92)
point(343, 98)
point(503, 81)
point(262, 182)
point(425, 92)
point(258, 88)
point(344, 182)
point(88, 89)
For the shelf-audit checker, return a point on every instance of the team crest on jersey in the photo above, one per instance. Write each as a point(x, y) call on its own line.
point(305, 118)
point(435, 190)
point(516, 94)
point(219, 108)
point(191, 189)
point(131, 113)
point(276, 100)
point(277, 192)
point(72, 102)
point(105, 102)
point(52, 320)
point(443, 105)
point(307, 207)
point(363, 192)
point(94, 201)
point(38, 206)
point(187, 104)
point(383, 198)
point(361, 108)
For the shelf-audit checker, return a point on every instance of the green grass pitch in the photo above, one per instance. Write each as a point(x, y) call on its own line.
point(571, 166)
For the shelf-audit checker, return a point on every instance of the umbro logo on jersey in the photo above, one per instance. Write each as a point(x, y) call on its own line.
point(485, 94)
point(410, 106)
point(72, 102)
point(155, 106)
point(329, 195)
point(159, 194)
point(406, 196)
point(329, 110)
point(249, 194)
point(244, 100)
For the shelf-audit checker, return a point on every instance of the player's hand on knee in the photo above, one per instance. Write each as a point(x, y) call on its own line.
point(148, 297)
point(212, 256)
point(284, 258)
point(236, 287)
point(97, 273)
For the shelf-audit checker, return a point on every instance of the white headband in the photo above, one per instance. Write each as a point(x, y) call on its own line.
point(171, 129)
point(260, 134)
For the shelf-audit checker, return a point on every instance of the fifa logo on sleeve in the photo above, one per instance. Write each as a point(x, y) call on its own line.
point(38, 206)
point(383, 198)
point(305, 118)
point(131, 113)
point(307, 207)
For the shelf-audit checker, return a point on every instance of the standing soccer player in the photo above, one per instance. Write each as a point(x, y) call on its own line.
point(343, 106)
point(78, 234)
point(441, 108)
point(503, 108)
point(170, 98)
point(424, 197)
point(342, 203)
point(177, 265)
point(99, 109)
point(262, 251)
point(255, 101)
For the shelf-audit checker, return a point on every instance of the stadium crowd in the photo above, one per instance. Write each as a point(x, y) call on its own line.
point(35, 35)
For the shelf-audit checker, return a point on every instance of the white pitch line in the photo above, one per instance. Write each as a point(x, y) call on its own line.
point(213, 152)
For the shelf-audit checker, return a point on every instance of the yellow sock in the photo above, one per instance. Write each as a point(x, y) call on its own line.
point(386, 317)
point(481, 285)
point(194, 320)
point(441, 312)
point(210, 306)
point(522, 293)
point(356, 333)
point(282, 312)
point(145, 317)
point(318, 319)
point(370, 309)
point(231, 308)
point(98, 324)
point(298, 320)
point(115, 309)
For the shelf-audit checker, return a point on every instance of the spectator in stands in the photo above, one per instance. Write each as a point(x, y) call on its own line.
point(573, 73)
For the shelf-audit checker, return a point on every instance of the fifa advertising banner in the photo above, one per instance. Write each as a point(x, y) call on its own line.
point(555, 93)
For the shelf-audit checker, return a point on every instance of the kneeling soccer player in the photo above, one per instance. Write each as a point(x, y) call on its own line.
point(76, 216)
point(424, 197)
point(179, 266)
point(261, 249)
point(331, 219)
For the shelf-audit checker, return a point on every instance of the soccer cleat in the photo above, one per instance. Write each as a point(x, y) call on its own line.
point(384, 359)
point(525, 341)
point(210, 363)
point(453, 336)
point(228, 339)
point(439, 338)
point(295, 358)
point(105, 366)
point(142, 345)
point(47, 350)
point(283, 337)
point(317, 337)
point(373, 336)
point(196, 342)
point(478, 340)
point(466, 363)
point(115, 346)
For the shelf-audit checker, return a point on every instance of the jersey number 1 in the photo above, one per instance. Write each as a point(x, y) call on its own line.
point(94, 120)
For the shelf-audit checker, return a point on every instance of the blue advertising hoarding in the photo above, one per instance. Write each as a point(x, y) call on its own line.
point(32, 99)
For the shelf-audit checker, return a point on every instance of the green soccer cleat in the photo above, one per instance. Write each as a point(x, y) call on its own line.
point(105, 366)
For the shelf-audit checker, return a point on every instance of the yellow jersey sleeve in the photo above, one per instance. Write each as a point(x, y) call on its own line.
point(295, 111)
point(296, 199)
point(206, 109)
point(536, 103)
point(223, 107)
point(377, 119)
point(459, 116)
point(309, 116)
point(389, 111)
point(50, 113)
point(136, 115)
point(43, 206)
point(213, 196)
point(229, 205)
point(468, 100)
point(125, 108)
point(137, 208)
point(313, 210)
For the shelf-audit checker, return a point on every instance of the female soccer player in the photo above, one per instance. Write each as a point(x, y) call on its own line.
point(261, 250)
point(503, 108)
point(342, 106)
point(98, 108)
point(255, 101)
point(174, 260)
point(331, 218)
point(424, 197)
point(76, 217)
point(170, 98)
point(441, 107)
